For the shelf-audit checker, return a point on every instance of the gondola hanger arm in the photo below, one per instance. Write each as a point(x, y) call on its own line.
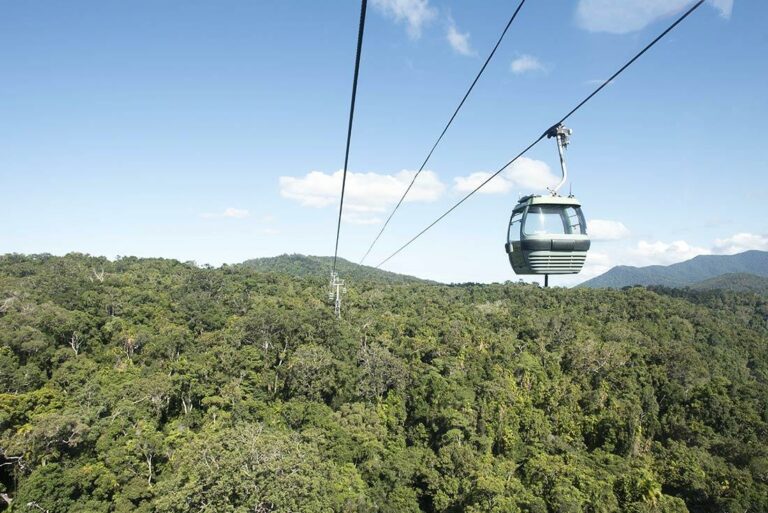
point(562, 136)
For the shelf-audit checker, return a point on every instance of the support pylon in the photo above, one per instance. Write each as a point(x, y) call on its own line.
point(334, 295)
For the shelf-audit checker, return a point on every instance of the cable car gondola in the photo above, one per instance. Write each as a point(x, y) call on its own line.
point(548, 234)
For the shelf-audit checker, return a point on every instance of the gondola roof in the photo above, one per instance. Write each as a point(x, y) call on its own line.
point(535, 199)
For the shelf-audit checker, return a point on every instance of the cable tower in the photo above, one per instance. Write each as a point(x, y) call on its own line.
point(334, 294)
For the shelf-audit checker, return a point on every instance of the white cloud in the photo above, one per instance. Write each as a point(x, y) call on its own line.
point(530, 174)
point(602, 229)
point(650, 253)
point(526, 64)
point(366, 193)
point(231, 212)
point(741, 242)
point(623, 16)
point(415, 13)
point(499, 185)
point(527, 175)
point(459, 41)
point(724, 6)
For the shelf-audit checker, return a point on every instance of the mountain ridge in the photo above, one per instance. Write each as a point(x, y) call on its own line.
point(299, 265)
point(681, 274)
point(736, 282)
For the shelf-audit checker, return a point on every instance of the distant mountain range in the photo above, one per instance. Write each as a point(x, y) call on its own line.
point(746, 271)
point(320, 266)
point(743, 271)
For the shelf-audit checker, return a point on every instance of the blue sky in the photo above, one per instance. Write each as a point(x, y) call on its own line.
point(211, 131)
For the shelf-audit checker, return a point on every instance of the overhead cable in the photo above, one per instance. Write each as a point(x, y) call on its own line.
point(543, 135)
point(445, 129)
point(360, 32)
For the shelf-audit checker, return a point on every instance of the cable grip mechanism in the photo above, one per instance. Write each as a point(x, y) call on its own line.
point(562, 134)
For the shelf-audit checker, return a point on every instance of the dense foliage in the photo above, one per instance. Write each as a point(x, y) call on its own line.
point(152, 385)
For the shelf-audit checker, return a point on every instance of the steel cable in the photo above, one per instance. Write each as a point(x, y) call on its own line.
point(535, 142)
point(360, 32)
point(450, 121)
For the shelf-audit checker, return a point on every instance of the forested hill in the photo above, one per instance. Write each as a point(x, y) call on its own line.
point(316, 266)
point(742, 282)
point(690, 272)
point(148, 385)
